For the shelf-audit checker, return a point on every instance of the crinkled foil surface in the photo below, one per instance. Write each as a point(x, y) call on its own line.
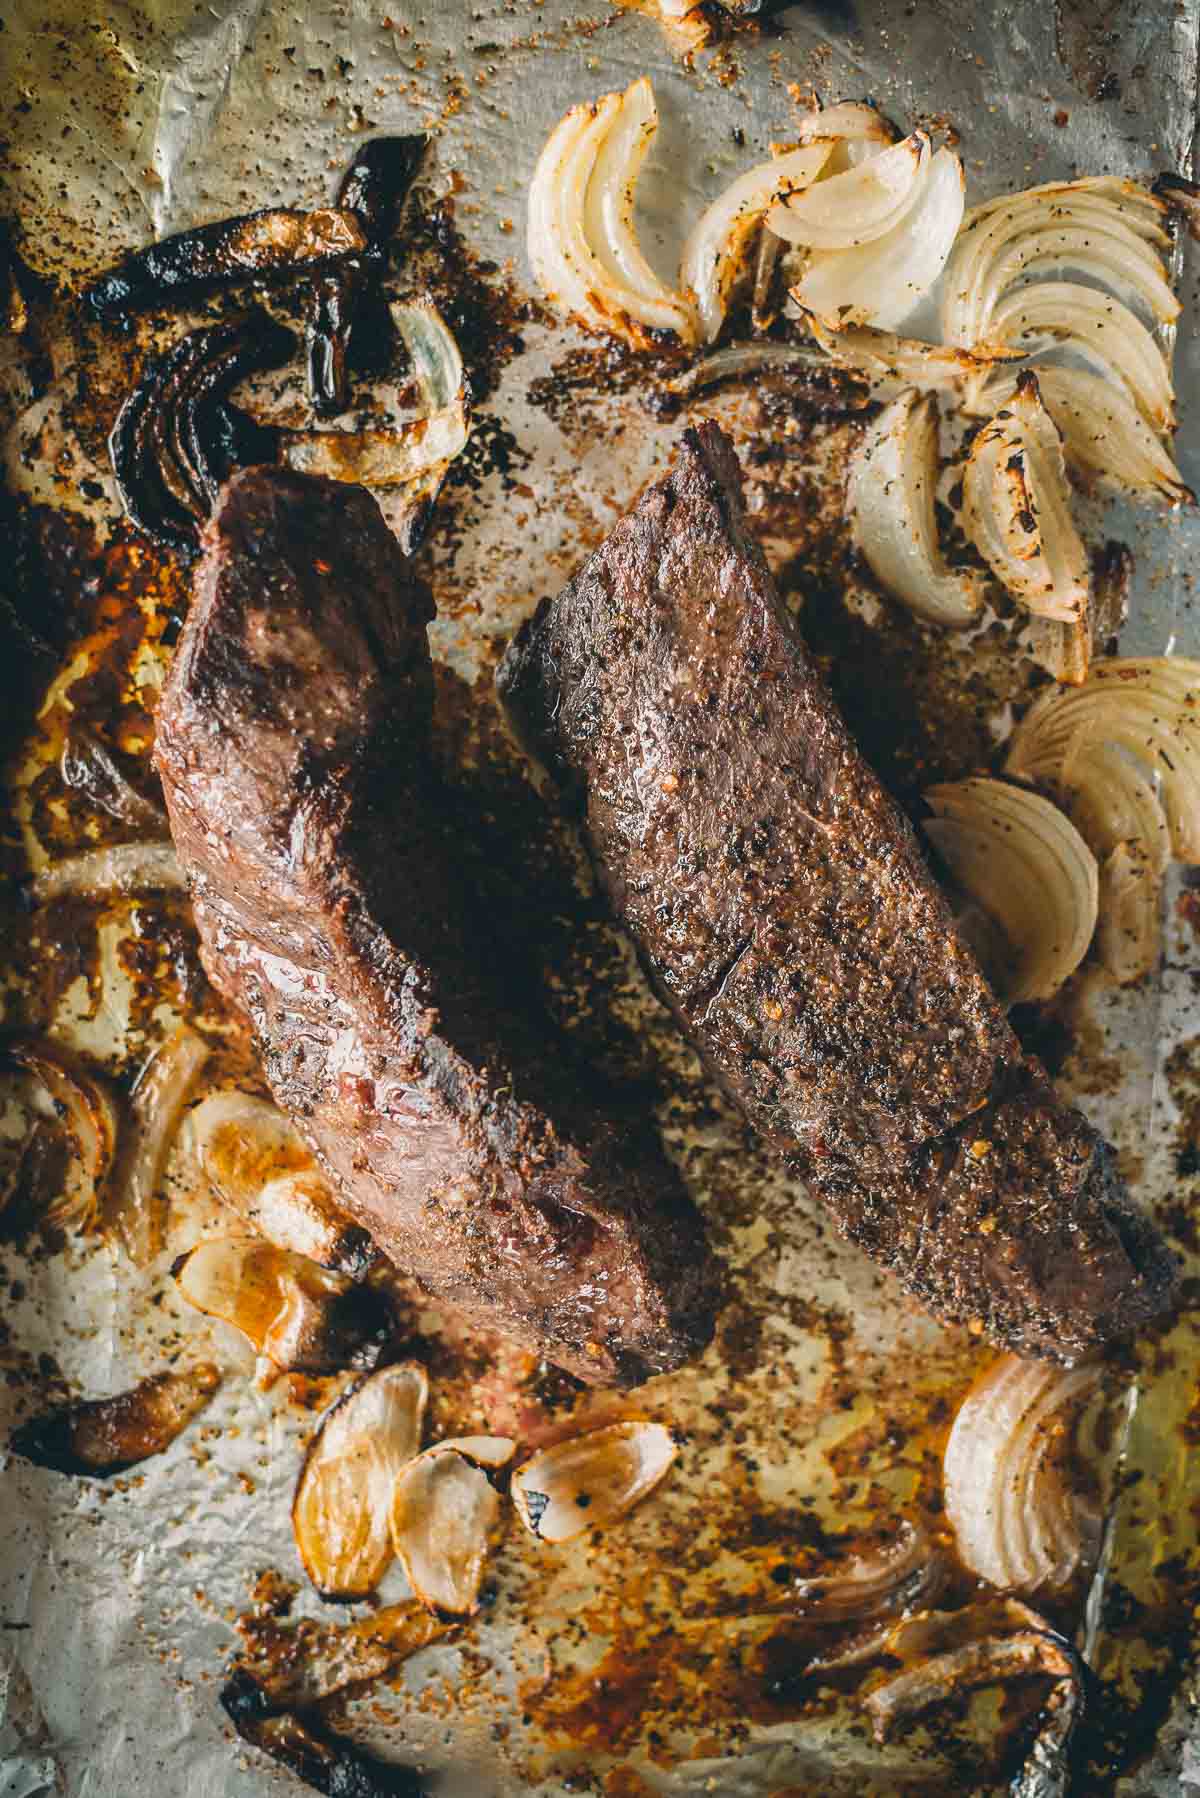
point(634, 1660)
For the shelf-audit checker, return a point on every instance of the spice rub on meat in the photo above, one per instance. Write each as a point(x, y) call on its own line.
point(293, 743)
point(783, 910)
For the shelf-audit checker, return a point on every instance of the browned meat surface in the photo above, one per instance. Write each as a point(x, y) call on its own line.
point(293, 748)
point(783, 909)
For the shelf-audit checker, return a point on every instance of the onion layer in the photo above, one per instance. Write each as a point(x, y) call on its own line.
point(1017, 1524)
point(715, 251)
point(858, 205)
point(882, 281)
point(890, 499)
point(444, 1513)
point(86, 1113)
point(118, 871)
point(1083, 318)
point(1016, 508)
point(163, 1088)
point(296, 1314)
point(892, 363)
point(582, 244)
point(1022, 860)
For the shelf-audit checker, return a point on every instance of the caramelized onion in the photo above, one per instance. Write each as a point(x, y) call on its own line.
point(116, 871)
point(589, 1481)
point(715, 252)
point(1016, 508)
point(1148, 706)
point(299, 1741)
point(983, 1663)
point(300, 1664)
point(1022, 860)
point(299, 1316)
point(892, 363)
point(85, 1112)
point(582, 243)
point(163, 1088)
point(258, 1166)
point(341, 1513)
point(444, 1514)
point(1017, 1523)
point(891, 1577)
point(890, 496)
point(89, 766)
point(883, 280)
point(102, 1436)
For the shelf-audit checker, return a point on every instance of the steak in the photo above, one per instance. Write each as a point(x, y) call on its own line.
point(783, 911)
point(294, 748)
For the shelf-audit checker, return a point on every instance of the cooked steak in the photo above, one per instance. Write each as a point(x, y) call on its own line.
point(293, 744)
point(784, 912)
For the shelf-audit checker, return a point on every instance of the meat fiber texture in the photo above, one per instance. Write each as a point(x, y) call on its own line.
point(783, 909)
point(293, 744)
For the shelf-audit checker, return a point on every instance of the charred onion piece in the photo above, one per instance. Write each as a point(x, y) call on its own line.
point(341, 1514)
point(327, 333)
point(100, 1436)
point(86, 1114)
point(116, 871)
point(175, 439)
point(1183, 197)
point(891, 1577)
point(262, 245)
point(299, 1664)
point(376, 184)
point(328, 1763)
point(89, 766)
point(162, 1090)
point(300, 1316)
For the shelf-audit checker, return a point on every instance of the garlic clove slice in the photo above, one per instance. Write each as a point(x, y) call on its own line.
point(341, 1514)
point(589, 1481)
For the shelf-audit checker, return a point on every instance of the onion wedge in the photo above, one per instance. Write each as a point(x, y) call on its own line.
point(299, 1316)
point(1024, 863)
point(715, 251)
point(858, 205)
point(1017, 1523)
point(341, 1514)
point(117, 871)
point(163, 1088)
point(586, 1482)
point(890, 500)
point(858, 131)
point(882, 281)
point(85, 1112)
point(1149, 706)
point(1099, 228)
point(891, 363)
point(581, 241)
point(1083, 318)
point(1120, 817)
point(1016, 508)
point(1102, 430)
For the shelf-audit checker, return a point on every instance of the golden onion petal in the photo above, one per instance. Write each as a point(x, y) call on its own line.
point(341, 1513)
point(1024, 863)
point(86, 1113)
point(890, 496)
point(860, 204)
point(589, 1481)
point(1016, 508)
point(716, 248)
point(300, 1316)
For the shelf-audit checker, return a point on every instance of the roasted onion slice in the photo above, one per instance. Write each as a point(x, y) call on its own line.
point(1017, 1522)
point(1018, 857)
point(295, 1665)
point(134, 1204)
point(715, 253)
point(264, 245)
point(258, 1166)
point(341, 1514)
point(857, 206)
point(586, 1482)
point(882, 281)
point(297, 1315)
point(1148, 706)
point(1082, 318)
point(890, 498)
point(582, 243)
point(86, 1114)
point(300, 1741)
point(1016, 508)
point(88, 766)
point(891, 363)
point(114, 872)
point(102, 1436)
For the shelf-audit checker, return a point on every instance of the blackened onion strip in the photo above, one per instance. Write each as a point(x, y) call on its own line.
point(376, 184)
point(260, 245)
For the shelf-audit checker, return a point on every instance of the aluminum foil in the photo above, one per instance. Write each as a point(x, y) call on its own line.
point(622, 1660)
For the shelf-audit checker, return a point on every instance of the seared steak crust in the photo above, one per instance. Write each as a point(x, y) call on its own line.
point(293, 743)
point(784, 911)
